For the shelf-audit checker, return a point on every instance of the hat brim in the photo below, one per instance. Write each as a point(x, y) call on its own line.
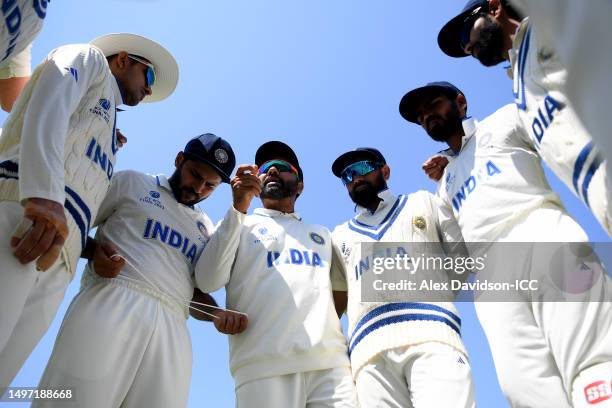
point(166, 67)
point(410, 102)
point(351, 157)
point(449, 38)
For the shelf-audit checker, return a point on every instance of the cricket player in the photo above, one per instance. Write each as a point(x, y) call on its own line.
point(57, 155)
point(20, 23)
point(124, 340)
point(546, 353)
point(276, 268)
point(401, 354)
point(579, 32)
point(493, 32)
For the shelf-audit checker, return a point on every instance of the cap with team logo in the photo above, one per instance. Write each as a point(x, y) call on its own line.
point(214, 151)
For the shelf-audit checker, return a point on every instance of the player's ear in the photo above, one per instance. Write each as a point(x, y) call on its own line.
point(495, 9)
point(461, 104)
point(180, 158)
point(386, 172)
point(300, 188)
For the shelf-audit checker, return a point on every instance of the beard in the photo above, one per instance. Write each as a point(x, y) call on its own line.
point(183, 195)
point(277, 189)
point(443, 128)
point(365, 194)
point(490, 43)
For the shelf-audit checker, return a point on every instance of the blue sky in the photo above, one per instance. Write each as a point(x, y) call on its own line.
point(323, 76)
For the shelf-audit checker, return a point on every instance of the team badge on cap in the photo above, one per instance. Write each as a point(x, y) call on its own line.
point(419, 222)
point(317, 238)
point(221, 155)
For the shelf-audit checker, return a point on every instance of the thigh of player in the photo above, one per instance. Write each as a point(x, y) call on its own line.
point(285, 391)
point(331, 388)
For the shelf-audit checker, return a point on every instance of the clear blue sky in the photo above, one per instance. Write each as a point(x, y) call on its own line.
point(323, 76)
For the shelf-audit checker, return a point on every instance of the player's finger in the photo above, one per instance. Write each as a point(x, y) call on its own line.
point(243, 322)
point(47, 259)
point(29, 240)
point(22, 228)
point(229, 324)
point(246, 169)
point(41, 247)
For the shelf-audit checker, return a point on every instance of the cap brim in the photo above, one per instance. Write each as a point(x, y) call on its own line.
point(349, 158)
point(166, 67)
point(449, 38)
point(410, 102)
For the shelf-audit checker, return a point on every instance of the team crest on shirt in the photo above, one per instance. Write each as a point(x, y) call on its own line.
point(263, 235)
point(102, 109)
point(202, 228)
point(317, 239)
point(485, 140)
point(152, 198)
point(449, 180)
point(345, 249)
point(419, 222)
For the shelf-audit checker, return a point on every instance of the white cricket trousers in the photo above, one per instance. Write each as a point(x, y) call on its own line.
point(426, 375)
point(332, 388)
point(541, 347)
point(121, 345)
point(28, 299)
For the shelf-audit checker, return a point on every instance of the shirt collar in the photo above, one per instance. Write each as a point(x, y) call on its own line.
point(516, 45)
point(162, 181)
point(469, 129)
point(387, 199)
point(117, 92)
point(266, 212)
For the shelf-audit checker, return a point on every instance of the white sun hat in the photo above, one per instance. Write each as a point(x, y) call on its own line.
point(166, 68)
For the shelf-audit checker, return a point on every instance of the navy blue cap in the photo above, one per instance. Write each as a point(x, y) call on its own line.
point(214, 151)
point(449, 38)
point(354, 156)
point(410, 102)
point(277, 150)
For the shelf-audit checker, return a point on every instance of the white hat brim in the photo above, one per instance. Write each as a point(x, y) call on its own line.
point(166, 67)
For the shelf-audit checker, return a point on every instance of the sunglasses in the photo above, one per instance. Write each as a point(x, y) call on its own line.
point(468, 23)
point(280, 165)
point(358, 169)
point(150, 75)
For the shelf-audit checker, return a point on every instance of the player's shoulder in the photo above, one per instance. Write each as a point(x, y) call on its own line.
point(86, 55)
point(504, 120)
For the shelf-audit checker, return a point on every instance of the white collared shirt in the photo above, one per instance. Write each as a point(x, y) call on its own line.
point(153, 231)
point(496, 177)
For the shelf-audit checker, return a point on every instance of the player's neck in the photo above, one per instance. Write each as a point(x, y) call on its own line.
point(284, 205)
point(455, 141)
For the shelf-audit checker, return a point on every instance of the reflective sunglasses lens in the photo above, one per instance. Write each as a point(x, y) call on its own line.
point(357, 169)
point(150, 77)
point(281, 166)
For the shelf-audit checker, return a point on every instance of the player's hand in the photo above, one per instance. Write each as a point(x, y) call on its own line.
point(41, 234)
point(121, 139)
point(229, 322)
point(245, 186)
point(434, 167)
point(104, 263)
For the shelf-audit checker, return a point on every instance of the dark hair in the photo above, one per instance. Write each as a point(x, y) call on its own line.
point(511, 11)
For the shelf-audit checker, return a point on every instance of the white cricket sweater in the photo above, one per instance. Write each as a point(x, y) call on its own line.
point(59, 141)
point(20, 23)
point(553, 127)
point(377, 327)
point(276, 268)
point(496, 179)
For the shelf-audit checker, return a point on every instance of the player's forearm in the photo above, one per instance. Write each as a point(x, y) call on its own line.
point(213, 268)
point(201, 297)
point(89, 250)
